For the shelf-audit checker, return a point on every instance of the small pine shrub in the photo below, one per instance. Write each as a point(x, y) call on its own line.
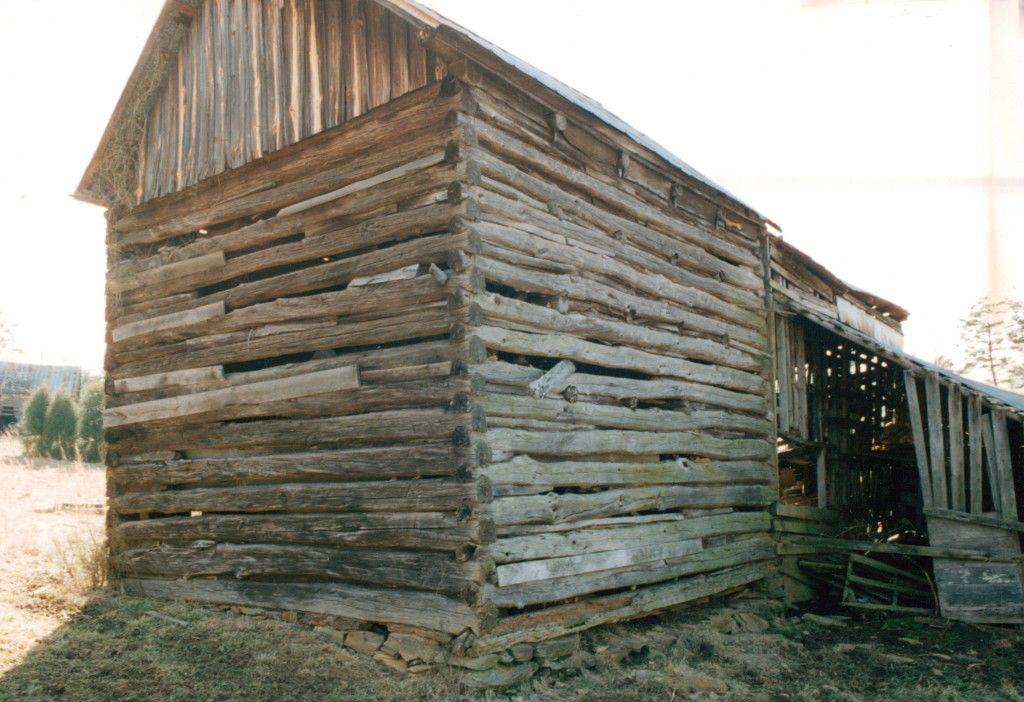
point(90, 423)
point(33, 421)
point(60, 428)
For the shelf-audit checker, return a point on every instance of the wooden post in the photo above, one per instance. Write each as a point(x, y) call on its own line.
point(920, 449)
point(958, 498)
point(936, 446)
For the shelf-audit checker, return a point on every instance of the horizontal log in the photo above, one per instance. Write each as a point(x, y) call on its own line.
point(415, 570)
point(640, 572)
point(523, 470)
point(592, 540)
point(162, 274)
point(186, 319)
point(438, 459)
point(349, 304)
point(427, 495)
point(210, 375)
point(612, 441)
point(507, 141)
point(554, 508)
point(624, 302)
point(657, 420)
point(806, 512)
point(824, 544)
point(294, 170)
point(267, 391)
point(737, 305)
point(445, 393)
point(413, 608)
point(381, 428)
point(432, 531)
point(574, 565)
point(567, 619)
point(497, 308)
point(594, 387)
point(399, 325)
point(562, 346)
point(334, 236)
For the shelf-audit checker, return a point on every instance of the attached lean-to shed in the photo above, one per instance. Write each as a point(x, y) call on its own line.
point(405, 332)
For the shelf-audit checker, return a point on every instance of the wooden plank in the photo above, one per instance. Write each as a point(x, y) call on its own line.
point(633, 574)
point(982, 519)
point(825, 544)
point(501, 310)
point(1006, 494)
point(569, 566)
point(570, 618)
point(183, 378)
point(427, 495)
point(433, 459)
point(690, 443)
point(920, 448)
point(415, 570)
point(523, 470)
point(252, 394)
point(654, 420)
point(381, 428)
point(957, 485)
point(173, 320)
point(553, 508)
point(370, 604)
point(567, 347)
point(990, 591)
point(433, 531)
point(936, 445)
point(975, 435)
point(613, 536)
point(806, 513)
point(602, 387)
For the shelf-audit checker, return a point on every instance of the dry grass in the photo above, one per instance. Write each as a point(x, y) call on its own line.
point(59, 642)
point(51, 545)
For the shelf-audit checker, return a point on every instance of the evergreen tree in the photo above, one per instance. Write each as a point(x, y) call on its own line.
point(90, 422)
point(33, 420)
point(60, 428)
point(992, 337)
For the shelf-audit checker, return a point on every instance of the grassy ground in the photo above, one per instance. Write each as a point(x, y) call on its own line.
point(59, 641)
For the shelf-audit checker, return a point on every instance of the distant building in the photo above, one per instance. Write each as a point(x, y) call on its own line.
point(19, 380)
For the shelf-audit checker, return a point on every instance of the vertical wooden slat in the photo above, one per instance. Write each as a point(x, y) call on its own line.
point(333, 64)
point(356, 89)
point(920, 448)
point(1007, 500)
point(220, 71)
point(783, 374)
point(315, 98)
point(936, 445)
point(821, 469)
point(399, 49)
point(182, 97)
point(991, 466)
point(378, 54)
point(257, 60)
point(799, 361)
point(974, 435)
point(417, 62)
point(293, 26)
point(278, 115)
point(958, 497)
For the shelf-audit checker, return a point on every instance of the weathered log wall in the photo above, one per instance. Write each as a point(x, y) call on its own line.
point(289, 414)
point(253, 76)
point(617, 328)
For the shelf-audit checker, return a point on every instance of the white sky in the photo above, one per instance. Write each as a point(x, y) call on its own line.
point(859, 126)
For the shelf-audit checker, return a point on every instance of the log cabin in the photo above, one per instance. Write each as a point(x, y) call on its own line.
point(405, 332)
